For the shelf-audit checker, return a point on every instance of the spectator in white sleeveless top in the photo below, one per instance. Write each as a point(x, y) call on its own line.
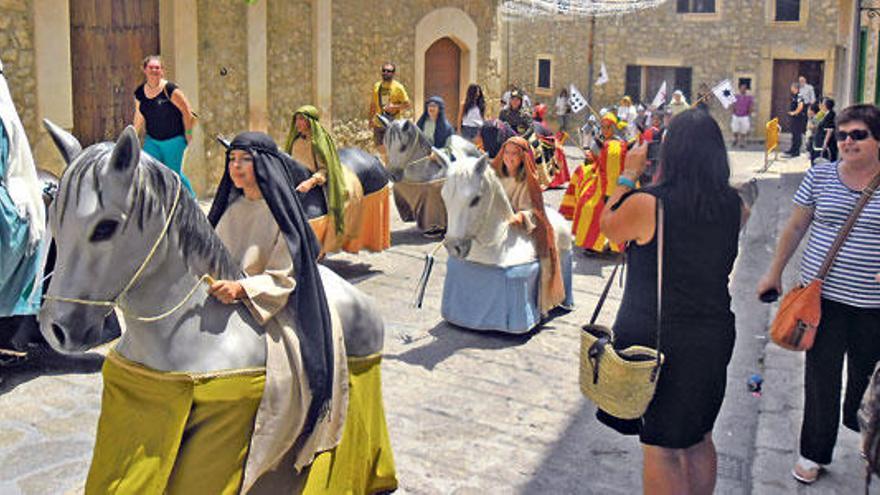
point(473, 110)
point(850, 292)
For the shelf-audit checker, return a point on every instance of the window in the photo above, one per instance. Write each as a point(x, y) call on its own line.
point(744, 80)
point(695, 6)
point(643, 82)
point(788, 10)
point(545, 74)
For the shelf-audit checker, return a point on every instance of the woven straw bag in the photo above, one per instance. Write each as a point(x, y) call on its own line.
point(621, 382)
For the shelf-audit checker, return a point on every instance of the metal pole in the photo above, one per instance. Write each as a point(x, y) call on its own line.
point(590, 48)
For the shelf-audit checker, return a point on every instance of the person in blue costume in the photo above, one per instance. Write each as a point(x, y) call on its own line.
point(23, 235)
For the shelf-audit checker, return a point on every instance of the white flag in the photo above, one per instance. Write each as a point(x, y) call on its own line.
point(603, 75)
point(576, 99)
point(660, 98)
point(724, 92)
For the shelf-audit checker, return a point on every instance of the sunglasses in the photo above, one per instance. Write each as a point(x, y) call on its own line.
point(856, 135)
point(386, 71)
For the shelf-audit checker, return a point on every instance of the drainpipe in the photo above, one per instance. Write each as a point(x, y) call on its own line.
point(590, 49)
point(854, 97)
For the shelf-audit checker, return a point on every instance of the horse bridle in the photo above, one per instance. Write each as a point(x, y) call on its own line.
point(116, 303)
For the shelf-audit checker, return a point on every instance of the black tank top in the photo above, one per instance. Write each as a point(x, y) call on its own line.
point(698, 259)
point(164, 120)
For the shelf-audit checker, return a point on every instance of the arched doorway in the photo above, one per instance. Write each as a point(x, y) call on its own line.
point(108, 40)
point(443, 75)
point(446, 58)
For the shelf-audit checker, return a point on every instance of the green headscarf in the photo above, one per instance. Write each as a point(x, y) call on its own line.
point(325, 150)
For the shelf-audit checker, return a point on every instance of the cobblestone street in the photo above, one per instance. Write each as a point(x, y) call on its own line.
point(486, 413)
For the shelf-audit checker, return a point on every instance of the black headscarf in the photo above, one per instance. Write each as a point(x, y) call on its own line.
point(308, 303)
point(442, 129)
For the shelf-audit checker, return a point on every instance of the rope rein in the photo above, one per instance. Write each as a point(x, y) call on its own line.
point(117, 302)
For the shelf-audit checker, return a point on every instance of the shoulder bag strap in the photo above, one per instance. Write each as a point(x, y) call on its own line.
point(847, 227)
point(660, 248)
point(604, 295)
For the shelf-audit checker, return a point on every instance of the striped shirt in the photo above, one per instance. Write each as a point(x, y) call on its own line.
point(851, 279)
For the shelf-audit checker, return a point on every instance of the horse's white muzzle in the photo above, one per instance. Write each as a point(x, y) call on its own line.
point(458, 247)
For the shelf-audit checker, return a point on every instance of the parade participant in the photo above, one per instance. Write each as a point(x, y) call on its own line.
point(473, 111)
point(311, 145)
point(516, 169)
point(678, 104)
point(515, 115)
point(389, 99)
point(260, 220)
point(493, 134)
point(539, 123)
point(590, 186)
point(850, 304)
point(433, 122)
point(797, 121)
point(563, 109)
point(22, 219)
point(701, 219)
point(161, 108)
point(626, 111)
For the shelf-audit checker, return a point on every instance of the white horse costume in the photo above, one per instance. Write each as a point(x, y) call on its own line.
point(488, 257)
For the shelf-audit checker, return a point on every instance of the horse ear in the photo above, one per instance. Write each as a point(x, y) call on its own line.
point(127, 152)
point(384, 121)
point(66, 143)
point(482, 165)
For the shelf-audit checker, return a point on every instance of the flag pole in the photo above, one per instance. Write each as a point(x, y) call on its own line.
point(702, 98)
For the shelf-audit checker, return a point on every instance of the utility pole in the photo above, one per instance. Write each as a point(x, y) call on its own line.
point(590, 49)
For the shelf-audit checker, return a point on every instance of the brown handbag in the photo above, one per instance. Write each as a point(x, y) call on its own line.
point(800, 311)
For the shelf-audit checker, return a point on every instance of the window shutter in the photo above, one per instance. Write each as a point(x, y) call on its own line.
point(634, 81)
point(683, 78)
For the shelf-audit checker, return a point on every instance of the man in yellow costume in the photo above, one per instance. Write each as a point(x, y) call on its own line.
point(592, 183)
point(389, 99)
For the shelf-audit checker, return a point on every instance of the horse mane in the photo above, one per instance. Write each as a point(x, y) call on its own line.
point(153, 187)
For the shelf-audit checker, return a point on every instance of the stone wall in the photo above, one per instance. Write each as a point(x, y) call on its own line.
point(366, 35)
point(739, 39)
point(290, 62)
point(223, 82)
point(17, 54)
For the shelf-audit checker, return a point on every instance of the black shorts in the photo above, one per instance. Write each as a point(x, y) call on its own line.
point(690, 390)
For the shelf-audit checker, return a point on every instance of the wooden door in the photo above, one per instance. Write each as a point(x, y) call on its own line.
point(786, 72)
point(443, 76)
point(108, 41)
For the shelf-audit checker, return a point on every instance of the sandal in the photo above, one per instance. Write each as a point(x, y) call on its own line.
point(806, 471)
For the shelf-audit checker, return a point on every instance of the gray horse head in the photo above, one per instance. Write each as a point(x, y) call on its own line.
point(111, 208)
point(409, 150)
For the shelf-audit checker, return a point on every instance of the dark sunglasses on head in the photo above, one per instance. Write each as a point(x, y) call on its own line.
point(856, 135)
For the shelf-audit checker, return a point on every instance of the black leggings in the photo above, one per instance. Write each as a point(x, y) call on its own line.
point(844, 330)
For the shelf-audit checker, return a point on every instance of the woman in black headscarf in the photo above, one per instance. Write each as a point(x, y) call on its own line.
point(493, 134)
point(258, 215)
point(433, 122)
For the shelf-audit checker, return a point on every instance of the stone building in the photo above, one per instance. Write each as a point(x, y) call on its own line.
point(248, 65)
point(687, 43)
point(242, 65)
point(867, 84)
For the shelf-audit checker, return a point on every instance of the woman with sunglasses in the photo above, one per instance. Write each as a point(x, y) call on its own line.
point(850, 292)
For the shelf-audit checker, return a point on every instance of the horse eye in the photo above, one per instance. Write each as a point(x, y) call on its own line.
point(403, 147)
point(475, 201)
point(104, 230)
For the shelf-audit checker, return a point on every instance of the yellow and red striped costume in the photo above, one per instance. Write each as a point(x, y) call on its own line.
point(590, 186)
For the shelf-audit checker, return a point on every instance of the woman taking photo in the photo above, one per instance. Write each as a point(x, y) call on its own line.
point(850, 293)
point(161, 107)
point(470, 119)
point(701, 219)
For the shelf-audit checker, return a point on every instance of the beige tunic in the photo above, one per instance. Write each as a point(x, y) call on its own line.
point(304, 153)
point(518, 195)
point(249, 231)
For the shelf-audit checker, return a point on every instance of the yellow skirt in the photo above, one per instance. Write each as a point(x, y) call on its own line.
point(169, 432)
point(373, 226)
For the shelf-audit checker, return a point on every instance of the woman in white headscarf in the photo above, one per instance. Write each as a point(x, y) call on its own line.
point(22, 215)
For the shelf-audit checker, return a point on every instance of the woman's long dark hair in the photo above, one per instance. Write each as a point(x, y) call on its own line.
point(475, 97)
point(694, 165)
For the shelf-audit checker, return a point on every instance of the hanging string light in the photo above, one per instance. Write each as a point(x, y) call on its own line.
point(579, 8)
